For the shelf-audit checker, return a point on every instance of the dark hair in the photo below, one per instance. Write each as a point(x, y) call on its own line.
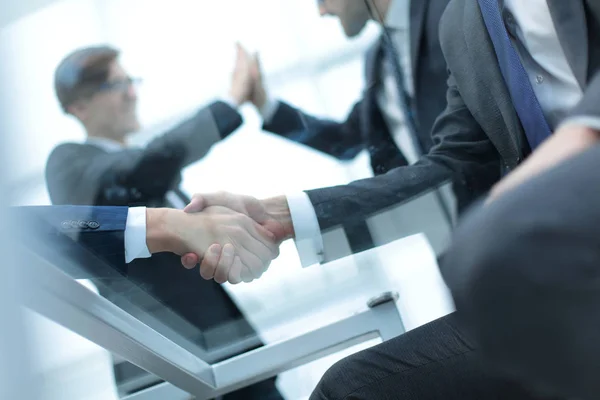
point(81, 73)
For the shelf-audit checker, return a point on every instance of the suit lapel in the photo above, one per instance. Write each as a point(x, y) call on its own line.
point(570, 23)
point(373, 80)
point(491, 104)
point(418, 10)
point(373, 65)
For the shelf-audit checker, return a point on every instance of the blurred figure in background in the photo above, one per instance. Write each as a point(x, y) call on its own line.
point(92, 86)
point(405, 91)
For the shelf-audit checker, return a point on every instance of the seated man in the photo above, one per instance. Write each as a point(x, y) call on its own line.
point(529, 289)
point(92, 86)
point(405, 91)
point(520, 73)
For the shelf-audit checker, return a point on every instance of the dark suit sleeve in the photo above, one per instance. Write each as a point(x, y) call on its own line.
point(86, 242)
point(524, 273)
point(462, 154)
point(78, 174)
point(341, 140)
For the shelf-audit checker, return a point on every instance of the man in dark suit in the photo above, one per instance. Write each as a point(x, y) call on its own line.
point(405, 75)
point(528, 290)
point(407, 58)
point(92, 86)
point(518, 72)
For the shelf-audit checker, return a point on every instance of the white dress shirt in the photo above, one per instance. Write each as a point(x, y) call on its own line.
point(397, 21)
point(542, 55)
point(554, 83)
point(135, 227)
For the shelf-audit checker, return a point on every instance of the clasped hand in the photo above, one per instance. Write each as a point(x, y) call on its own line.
point(244, 237)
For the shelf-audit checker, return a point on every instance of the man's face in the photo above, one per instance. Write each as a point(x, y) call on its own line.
point(353, 14)
point(112, 110)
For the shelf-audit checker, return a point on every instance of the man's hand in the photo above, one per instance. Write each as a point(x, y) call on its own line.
point(245, 247)
point(258, 97)
point(273, 214)
point(242, 82)
point(566, 142)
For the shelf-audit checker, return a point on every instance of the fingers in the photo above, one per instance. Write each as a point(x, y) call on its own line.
point(221, 273)
point(257, 248)
point(255, 265)
point(211, 260)
point(265, 237)
point(190, 260)
point(200, 201)
point(246, 275)
point(256, 68)
point(236, 270)
point(222, 265)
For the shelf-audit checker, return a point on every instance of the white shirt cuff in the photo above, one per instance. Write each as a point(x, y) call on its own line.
point(590, 122)
point(309, 241)
point(135, 235)
point(268, 110)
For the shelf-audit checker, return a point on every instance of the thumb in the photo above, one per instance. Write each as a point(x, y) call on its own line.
point(196, 205)
point(190, 260)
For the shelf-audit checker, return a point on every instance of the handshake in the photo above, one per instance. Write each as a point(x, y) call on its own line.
point(233, 237)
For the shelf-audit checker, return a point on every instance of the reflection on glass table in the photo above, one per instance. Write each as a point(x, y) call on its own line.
point(284, 305)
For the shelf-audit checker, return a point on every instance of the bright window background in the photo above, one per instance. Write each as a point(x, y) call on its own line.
point(183, 49)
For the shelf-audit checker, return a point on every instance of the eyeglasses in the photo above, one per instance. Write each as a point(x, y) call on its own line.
point(120, 85)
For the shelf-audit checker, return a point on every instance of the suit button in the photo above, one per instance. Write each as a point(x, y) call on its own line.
point(65, 225)
point(135, 193)
point(93, 225)
point(82, 225)
point(379, 169)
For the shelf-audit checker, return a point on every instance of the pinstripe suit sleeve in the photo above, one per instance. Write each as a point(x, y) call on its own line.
point(85, 236)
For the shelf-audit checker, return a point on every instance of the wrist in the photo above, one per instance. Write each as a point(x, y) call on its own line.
point(260, 101)
point(279, 209)
point(160, 235)
point(235, 99)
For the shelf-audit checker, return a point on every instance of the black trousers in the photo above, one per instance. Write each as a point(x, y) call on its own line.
point(435, 361)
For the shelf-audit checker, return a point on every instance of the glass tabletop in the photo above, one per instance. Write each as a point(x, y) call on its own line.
point(287, 302)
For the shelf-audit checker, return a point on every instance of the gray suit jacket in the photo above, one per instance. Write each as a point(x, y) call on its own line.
point(479, 136)
point(84, 174)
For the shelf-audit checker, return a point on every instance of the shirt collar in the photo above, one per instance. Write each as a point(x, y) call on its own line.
point(106, 144)
point(397, 17)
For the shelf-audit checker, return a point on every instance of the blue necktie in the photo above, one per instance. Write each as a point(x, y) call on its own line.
point(523, 97)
